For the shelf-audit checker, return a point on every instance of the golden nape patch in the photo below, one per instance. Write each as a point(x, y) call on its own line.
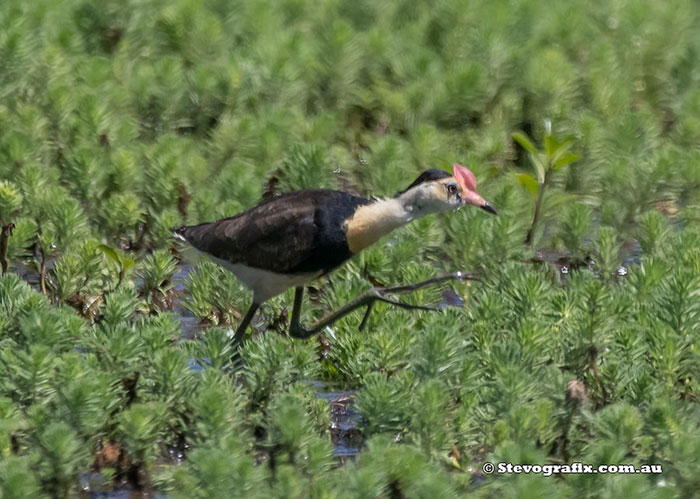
point(373, 221)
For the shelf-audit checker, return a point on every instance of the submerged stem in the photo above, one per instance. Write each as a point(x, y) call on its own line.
point(4, 236)
point(538, 208)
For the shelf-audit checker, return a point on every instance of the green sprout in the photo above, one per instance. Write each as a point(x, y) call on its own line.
point(119, 259)
point(10, 203)
point(555, 154)
point(157, 271)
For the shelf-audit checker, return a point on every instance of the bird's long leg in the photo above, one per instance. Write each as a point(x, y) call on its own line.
point(294, 323)
point(368, 298)
point(365, 318)
point(238, 336)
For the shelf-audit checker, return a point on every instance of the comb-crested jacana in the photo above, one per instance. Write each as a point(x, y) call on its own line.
point(294, 238)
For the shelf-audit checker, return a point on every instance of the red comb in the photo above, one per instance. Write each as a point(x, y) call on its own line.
point(465, 177)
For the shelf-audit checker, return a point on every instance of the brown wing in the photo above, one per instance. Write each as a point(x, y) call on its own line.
point(286, 234)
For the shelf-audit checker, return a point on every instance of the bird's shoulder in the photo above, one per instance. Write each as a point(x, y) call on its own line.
point(298, 209)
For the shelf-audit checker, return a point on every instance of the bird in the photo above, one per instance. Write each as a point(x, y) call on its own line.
point(294, 238)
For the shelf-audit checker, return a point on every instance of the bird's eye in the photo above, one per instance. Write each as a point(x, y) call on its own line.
point(452, 188)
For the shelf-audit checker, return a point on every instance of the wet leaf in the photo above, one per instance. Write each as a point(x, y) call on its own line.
point(566, 159)
point(110, 253)
point(550, 145)
point(528, 182)
point(525, 142)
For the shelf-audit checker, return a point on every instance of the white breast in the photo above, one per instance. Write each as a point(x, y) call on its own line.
point(263, 283)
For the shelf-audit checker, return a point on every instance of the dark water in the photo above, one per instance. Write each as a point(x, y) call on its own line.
point(92, 485)
point(28, 274)
point(191, 325)
point(346, 436)
point(631, 251)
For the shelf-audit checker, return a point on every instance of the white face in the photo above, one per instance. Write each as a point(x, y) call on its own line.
point(438, 196)
point(445, 194)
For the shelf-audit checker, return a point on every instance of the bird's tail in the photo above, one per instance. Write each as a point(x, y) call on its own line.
point(189, 253)
point(179, 232)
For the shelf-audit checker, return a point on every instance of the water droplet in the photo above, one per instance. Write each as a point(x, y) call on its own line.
point(330, 332)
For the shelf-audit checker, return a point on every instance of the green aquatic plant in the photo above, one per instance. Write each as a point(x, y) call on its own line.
point(122, 214)
point(555, 154)
point(157, 271)
point(138, 428)
point(384, 401)
point(62, 457)
point(213, 293)
point(575, 230)
point(119, 259)
point(10, 203)
point(18, 477)
point(607, 250)
point(653, 230)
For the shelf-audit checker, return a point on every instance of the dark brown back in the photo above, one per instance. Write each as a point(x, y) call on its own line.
point(293, 233)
